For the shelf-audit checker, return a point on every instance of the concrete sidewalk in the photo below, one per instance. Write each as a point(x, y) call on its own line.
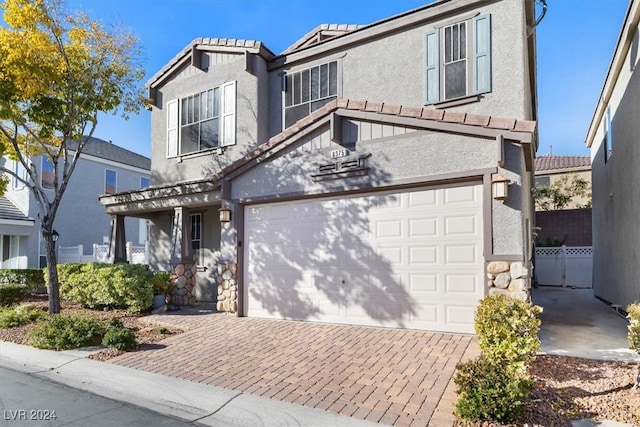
point(187, 400)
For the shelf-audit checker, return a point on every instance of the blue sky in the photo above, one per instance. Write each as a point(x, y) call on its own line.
point(575, 43)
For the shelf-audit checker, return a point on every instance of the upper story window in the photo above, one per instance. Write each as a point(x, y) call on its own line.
point(458, 60)
point(144, 182)
point(309, 89)
point(202, 121)
point(110, 181)
point(16, 167)
point(47, 177)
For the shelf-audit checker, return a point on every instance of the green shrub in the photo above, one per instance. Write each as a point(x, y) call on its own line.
point(119, 338)
point(507, 331)
point(162, 283)
point(489, 392)
point(93, 285)
point(32, 278)
point(63, 332)
point(20, 315)
point(633, 314)
point(12, 294)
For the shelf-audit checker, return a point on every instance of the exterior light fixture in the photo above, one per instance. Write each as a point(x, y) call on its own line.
point(54, 236)
point(225, 214)
point(500, 187)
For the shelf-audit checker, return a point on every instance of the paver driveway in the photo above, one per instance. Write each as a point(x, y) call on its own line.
point(391, 376)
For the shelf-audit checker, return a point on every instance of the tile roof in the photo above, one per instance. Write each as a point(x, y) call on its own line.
point(10, 211)
point(207, 41)
point(321, 33)
point(545, 163)
point(106, 150)
point(424, 113)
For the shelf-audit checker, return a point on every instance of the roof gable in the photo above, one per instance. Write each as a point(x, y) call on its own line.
point(321, 34)
point(416, 117)
point(188, 54)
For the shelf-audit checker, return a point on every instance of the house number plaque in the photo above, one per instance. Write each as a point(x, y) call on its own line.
point(336, 154)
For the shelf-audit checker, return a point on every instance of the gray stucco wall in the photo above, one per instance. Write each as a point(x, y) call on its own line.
point(160, 249)
point(417, 156)
point(616, 203)
point(251, 128)
point(81, 219)
point(391, 69)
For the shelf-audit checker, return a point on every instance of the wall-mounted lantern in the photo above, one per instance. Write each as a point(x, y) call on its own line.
point(500, 187)
point(225, 214)
point(54, 236)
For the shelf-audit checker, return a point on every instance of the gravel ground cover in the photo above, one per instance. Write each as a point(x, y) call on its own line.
point(146, 333)
point(564, 388)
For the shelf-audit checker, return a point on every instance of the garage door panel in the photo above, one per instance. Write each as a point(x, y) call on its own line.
point(423, 255)
point(390, 228)
point(406, 259)
point(466, 284)
point(425, 198)
point(461, 254)
point(458, 195)
point(423, 227)
point(461, 225)
point(420, 283)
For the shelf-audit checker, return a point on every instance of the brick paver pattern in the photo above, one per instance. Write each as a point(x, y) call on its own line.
point(391, 376)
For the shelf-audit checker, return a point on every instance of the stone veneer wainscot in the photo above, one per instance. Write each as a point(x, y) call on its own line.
point(227, 288)
point(509, 278)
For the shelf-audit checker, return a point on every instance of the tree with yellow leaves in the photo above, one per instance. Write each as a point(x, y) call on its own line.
point(58, 70)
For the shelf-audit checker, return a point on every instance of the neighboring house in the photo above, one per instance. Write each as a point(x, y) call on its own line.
point(550, 169)
point(102, 168)
point(614, 140)
point(570, 225)
point(352, 173)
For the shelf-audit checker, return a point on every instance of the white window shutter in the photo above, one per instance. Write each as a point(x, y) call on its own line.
point(482, 53)
point(432, 68)
point(228, 113)
point(172, 128)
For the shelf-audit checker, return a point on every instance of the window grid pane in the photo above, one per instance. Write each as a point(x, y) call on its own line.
point(308, 89)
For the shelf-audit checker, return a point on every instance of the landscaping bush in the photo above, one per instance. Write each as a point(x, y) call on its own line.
point(63, 332)
point(20, 315)
point(507, 331)
point(490, 392)
point(32, 278)
point(93, 285)
point(12, 294)
point(633, 314)
point(119, 338)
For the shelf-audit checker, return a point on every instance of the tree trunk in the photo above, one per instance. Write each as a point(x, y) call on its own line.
point(52, 269)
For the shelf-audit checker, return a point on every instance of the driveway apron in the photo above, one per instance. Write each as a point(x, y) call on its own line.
point(390, 376)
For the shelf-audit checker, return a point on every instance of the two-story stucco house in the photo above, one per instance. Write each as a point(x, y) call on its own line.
point(349, 179)
point(615, 156)
point(103, 168)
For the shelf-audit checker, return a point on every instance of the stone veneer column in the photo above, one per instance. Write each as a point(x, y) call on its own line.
point(183, 278)
point(227, 288)
point(509, 278)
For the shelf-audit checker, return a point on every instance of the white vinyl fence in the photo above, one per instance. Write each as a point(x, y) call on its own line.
point(564, 266)
point(75, 254)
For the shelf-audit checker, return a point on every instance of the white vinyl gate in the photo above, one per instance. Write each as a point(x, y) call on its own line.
point(564, 266)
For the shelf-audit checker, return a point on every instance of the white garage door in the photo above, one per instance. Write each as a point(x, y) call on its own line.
point(409, 259)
